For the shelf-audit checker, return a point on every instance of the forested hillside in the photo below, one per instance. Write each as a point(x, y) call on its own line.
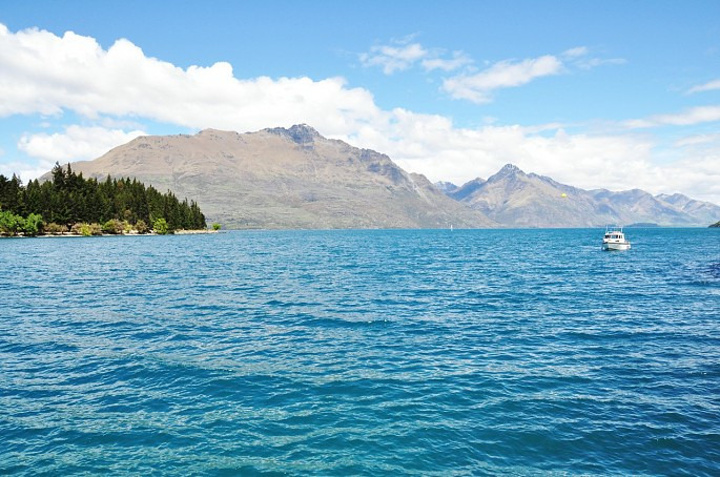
point(70, 202)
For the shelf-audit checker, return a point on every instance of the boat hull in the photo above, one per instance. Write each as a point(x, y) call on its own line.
point(616, 246)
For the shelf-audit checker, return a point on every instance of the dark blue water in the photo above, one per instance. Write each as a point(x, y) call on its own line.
point(487, 352)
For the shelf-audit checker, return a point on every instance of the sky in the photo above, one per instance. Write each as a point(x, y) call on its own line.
point(595, 94)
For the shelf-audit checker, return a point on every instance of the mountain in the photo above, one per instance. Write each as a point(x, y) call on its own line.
point(445, 187)
point(706, 211)
point(461, 193)
point(284, 178)
point(513, 198)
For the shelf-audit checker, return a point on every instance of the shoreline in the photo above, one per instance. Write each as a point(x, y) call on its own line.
point(70, 235)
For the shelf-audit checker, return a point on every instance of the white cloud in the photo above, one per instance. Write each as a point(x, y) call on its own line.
point(432, 145)
point(25, 171)
point(75, 144)
point(458, 60)
point(689, 117)
point(696, 176)
point(394, 58)
point(579, 57)
point(698, 139)
point(575, 52)
point(589, 63)
point(478, 88)
point(709, 86)
point(403, 54)
point(46, 74)
point(118, 89)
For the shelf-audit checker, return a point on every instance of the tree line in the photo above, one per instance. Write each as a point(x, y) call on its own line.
point(71, 203)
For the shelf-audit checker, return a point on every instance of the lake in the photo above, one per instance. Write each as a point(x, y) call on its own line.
point(373, 352)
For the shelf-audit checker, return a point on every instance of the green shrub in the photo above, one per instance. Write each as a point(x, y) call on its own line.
point(95, 229)
point(10, 224)
point(33, 225)
point(113, 226)
point(160, 226)
point(55, 229)
point(81, 228)
point(141, 227)
point(216, 226)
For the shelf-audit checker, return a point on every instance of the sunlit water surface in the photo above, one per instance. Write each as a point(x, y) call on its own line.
point(484, 352)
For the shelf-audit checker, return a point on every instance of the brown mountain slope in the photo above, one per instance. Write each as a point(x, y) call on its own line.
point(284, 178)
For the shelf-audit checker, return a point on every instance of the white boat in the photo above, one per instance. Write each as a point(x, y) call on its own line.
point(614, 239)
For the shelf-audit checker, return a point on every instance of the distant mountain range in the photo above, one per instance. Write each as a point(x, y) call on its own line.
point(513, 198)
point(295, 178)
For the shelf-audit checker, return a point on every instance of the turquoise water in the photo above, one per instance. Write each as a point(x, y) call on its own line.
point(484, 352)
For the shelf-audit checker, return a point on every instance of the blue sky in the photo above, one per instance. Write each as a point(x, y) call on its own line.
point(610, 94)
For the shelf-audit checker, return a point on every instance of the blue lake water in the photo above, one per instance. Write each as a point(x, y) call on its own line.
point(466, 352)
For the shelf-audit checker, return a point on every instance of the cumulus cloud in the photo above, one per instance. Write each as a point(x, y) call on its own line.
point(696, 175)
point(75, 144)
point(479, 87)
point(699, 139)
point(25, 171)
point(118, 89)
point(434, 146)
point(47, 74)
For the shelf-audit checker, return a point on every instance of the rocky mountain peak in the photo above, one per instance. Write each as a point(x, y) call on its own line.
point(302, 133)
point(508, 172)
point(299, 133)
point(213, 133)
point(509, 169)
point(446, 187)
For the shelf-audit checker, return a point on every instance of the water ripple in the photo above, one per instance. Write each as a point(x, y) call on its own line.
point(361, 353)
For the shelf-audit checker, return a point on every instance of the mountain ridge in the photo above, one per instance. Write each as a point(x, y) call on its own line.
point(512, 197)
point(296, 178)
point(285, 178)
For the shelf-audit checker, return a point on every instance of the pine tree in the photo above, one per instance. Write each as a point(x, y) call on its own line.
point(70, 199)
